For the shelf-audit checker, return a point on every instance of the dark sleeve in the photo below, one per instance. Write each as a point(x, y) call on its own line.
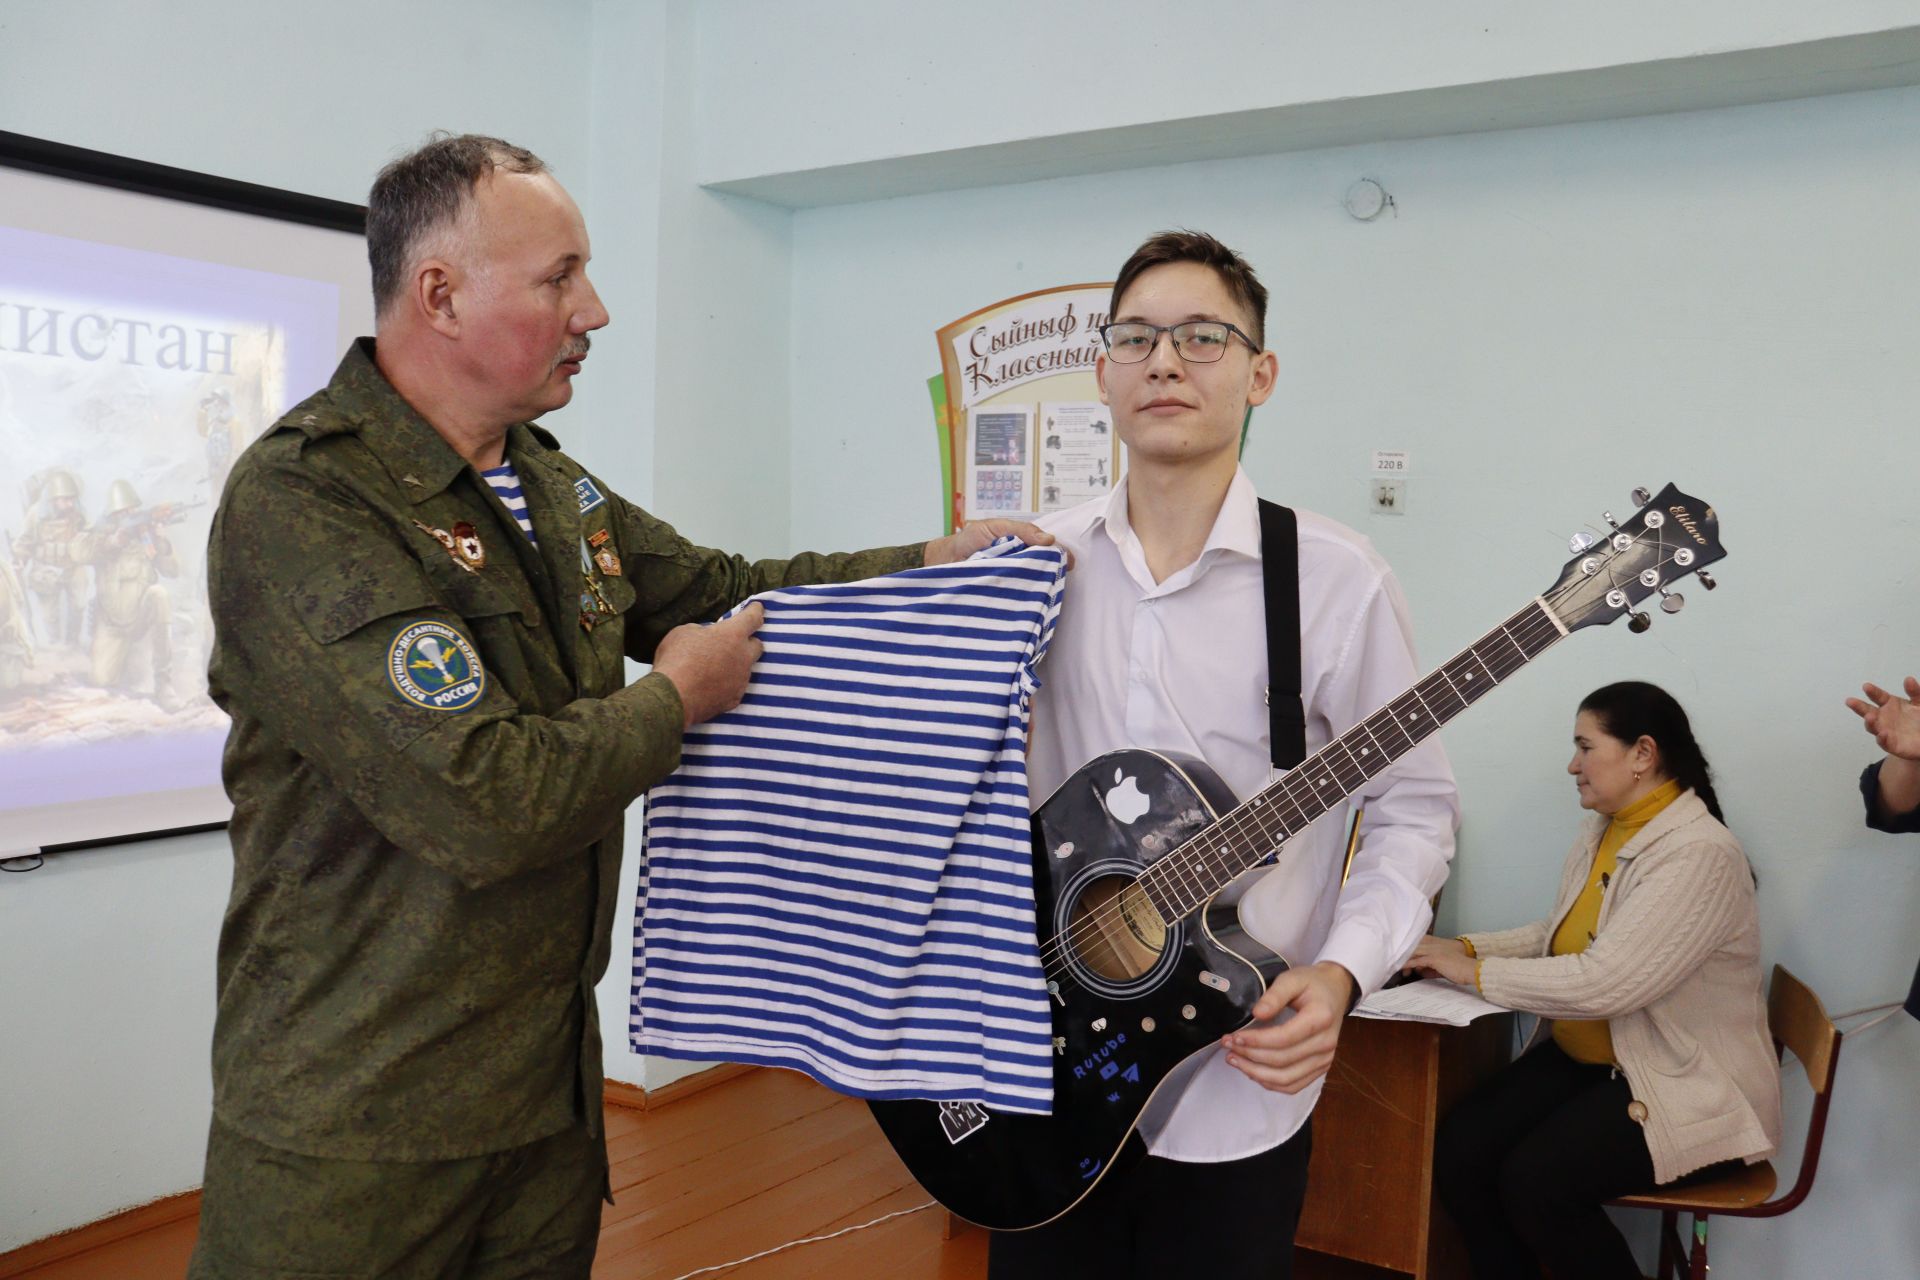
point(1879, 820)
point(312, 594)
point(678, 582)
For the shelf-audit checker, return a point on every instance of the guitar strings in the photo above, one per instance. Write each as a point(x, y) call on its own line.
point(1057, 952)
point(1293, 787)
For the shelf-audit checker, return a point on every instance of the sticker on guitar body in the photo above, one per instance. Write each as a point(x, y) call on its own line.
point(960, 1119)
point(1099, 1060)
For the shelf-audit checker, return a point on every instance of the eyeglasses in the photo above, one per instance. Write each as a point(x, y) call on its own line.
point(1196, 341)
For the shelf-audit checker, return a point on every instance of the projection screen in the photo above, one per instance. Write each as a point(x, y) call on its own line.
point(153, 321)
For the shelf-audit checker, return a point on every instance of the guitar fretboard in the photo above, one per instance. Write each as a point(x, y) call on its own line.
point(1208, 861)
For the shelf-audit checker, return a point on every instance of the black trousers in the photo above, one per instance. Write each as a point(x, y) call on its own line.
point(1158, 1219)
point(1523, 1163)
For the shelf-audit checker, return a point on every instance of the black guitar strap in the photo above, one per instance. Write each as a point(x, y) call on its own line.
point(1280, 567)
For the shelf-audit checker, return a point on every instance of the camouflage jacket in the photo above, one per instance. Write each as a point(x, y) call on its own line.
point(430, 757)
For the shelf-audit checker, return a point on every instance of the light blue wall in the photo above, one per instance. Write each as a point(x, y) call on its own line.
point(856, 99)
point(310, 98)
point(1547, 318)
point(106, 1021)
point(723, 264)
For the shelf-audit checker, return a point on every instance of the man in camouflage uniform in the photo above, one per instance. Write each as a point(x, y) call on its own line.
point(432, 747)
point(130, 553)
point(45, 551)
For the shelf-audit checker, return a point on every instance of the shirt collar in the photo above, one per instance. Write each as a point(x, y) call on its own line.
point(1236, 529)
point(366, 405)
point(418, 457)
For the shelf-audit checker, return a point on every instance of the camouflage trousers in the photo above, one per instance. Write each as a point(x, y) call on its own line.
point(528, 1212)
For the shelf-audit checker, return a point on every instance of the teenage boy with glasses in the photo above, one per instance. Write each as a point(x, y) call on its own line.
point(1162, 644)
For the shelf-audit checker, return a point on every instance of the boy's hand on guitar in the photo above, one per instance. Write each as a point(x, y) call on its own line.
point(1288, 1056)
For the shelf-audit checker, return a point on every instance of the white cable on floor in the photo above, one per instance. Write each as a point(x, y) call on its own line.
point(722, 1266)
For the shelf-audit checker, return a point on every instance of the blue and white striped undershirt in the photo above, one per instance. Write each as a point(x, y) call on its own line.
point(838, 877)
point(505, 481)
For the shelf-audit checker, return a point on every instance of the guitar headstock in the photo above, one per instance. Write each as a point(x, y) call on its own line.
point(1671, 536)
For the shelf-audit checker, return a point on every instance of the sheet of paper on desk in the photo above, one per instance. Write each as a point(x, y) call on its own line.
point(1428, 1000)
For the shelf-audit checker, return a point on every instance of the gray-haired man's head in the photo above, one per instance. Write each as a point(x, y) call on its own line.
point(417, 202)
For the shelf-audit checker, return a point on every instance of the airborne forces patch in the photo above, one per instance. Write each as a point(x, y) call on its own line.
point(433, 666)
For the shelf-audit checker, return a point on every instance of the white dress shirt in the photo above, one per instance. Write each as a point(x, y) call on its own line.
point(1181, 665)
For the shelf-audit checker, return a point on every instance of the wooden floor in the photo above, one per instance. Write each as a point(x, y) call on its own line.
point(760, 1160)
point(716, 1176)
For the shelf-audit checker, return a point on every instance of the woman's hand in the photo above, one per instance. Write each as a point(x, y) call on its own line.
point(1442, 958)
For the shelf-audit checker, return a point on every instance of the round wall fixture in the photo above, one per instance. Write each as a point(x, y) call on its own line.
point(1366, 198)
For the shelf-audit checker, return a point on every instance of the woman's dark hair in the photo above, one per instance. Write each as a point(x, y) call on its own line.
point(1632, 709)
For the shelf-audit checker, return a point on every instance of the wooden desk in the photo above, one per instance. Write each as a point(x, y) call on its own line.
point(1370, 1186)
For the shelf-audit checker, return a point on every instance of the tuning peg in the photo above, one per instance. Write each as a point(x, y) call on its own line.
point(1641, 496)
point(1580, 542)
point(1638, 622)
point(1608, 517)
point(1671, 601)
point(1706, 579)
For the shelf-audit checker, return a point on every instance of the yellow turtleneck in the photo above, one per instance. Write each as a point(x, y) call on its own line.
point(1592, 1041)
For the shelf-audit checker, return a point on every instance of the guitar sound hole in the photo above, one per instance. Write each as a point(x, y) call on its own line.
point(1117, 931)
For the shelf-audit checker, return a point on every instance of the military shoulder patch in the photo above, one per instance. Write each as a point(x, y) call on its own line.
point(589, 494)
point(433, 666)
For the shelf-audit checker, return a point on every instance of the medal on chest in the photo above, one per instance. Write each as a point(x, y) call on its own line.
point(603, 555)
point(594, 608)
point(462, 544)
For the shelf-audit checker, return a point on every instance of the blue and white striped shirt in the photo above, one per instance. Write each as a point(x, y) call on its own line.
point(838, 876)
point(505, 482)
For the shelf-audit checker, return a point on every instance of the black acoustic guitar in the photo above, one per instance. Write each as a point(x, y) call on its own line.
point(1144, 967)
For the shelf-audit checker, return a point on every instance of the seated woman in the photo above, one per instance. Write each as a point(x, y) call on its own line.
point(1659, 1069)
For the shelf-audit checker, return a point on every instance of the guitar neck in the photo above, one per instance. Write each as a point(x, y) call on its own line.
point(1248, 835)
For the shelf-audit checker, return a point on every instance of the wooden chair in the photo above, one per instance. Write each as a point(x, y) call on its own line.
point(1800, 1024)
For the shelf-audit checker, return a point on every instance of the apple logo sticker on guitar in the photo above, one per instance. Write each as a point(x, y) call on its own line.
point(1126, 802)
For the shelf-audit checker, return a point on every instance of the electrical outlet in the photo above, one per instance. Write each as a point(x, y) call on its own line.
point(1390, 497)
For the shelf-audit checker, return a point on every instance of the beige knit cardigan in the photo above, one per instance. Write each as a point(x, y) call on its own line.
point(1674, 968)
